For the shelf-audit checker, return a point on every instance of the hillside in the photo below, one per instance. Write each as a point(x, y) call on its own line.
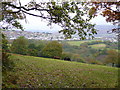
point(78, 43)
point(37, 72)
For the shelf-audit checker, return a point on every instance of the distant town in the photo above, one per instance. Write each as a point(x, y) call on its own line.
point(49, 36)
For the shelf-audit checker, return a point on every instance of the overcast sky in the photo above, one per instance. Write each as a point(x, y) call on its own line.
point(35, 23)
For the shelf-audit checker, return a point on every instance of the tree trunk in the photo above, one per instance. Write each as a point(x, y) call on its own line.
point(112, 64)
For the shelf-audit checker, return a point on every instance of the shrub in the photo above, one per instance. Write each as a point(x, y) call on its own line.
point(66, 55)
point(76, 57)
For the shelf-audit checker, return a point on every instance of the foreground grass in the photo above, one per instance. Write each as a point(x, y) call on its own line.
point(37, 72)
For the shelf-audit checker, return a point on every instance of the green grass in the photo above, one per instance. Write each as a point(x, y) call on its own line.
point(37, 72)
point(98, 46)
point(77, 43)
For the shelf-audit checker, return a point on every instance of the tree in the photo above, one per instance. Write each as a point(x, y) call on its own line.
point(4, 43)
point(20, 45)
point(32, 46)
point(7, 63)
point(112, 57)
point(60, 13)
point(108, 9)
point(52, 49)
point(76, 57)
point(66, 55)
point(40, 46)
point(53, 12)
point(32, 52)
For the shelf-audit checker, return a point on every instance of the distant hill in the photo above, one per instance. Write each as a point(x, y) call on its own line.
point(104, 27)
point(102, 30)
point(99, 27)
point(31, 34)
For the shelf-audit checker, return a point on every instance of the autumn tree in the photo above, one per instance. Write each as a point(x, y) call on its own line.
point(112, 57)
point(108, 9)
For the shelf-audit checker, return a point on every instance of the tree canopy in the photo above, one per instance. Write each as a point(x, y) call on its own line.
point(73, 17)
point(109, 10)
point(20, 45)
point(112, 57)
point(52, 49)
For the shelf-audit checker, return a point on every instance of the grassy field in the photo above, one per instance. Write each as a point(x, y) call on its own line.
point(98, 46)
point(77, 43)
point(37, 72)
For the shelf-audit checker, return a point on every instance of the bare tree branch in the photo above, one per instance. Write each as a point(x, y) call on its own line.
point(36, 15)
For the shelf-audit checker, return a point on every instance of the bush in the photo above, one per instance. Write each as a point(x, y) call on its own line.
point(66, 55)
point(76, 57)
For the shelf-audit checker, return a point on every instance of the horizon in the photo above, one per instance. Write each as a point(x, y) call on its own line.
point(56, 31)
point(36, 23)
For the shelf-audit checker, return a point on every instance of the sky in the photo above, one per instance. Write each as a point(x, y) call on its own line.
point(36, 24)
